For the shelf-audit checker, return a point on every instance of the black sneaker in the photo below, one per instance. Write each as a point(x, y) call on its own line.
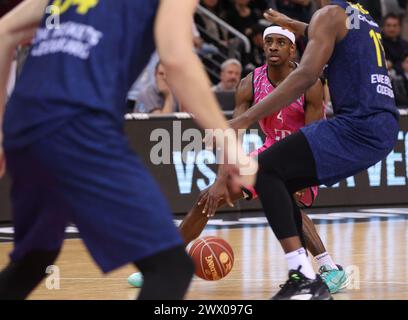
point(298, 287)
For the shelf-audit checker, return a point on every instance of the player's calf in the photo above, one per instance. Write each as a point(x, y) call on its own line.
point(166, 275)
point(21, 277)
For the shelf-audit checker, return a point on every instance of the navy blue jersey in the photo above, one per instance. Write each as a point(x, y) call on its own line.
point(87, 64)
point(357, 74)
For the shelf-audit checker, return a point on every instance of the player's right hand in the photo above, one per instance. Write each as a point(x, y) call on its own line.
point(211, 197)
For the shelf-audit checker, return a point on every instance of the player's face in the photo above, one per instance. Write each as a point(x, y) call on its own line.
point(392, 28)
point(231, 76)
point(278, 50)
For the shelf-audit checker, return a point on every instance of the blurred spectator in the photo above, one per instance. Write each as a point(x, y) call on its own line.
point(230, 76)
point(157, 97)
point(395, 47)
point(257, 56)
point(394, 6)
point(405, 78)
point(391, 71)
point(399, 86)
point(146, 78)
point(201, 47)
point(405, 68)
point(297, 9)
point(242, 17)
point(404, 33)
point(212, 30)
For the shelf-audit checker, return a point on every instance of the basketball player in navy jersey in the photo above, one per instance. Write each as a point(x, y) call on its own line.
point(364, 130)
point(63, 138)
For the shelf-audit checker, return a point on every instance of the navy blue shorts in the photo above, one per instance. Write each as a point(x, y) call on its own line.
point(344, 146)
point(85, 173)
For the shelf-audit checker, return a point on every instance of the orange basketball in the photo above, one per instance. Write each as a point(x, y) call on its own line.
point(213, 258)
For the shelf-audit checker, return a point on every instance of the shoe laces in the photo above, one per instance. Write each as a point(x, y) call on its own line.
point(324, 271)
point(294, 278)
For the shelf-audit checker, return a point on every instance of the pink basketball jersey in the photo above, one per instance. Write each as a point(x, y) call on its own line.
point(279, 125)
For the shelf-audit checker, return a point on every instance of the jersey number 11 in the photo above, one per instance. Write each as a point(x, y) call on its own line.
point(378, 47)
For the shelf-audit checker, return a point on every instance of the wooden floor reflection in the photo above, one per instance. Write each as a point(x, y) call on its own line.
point(376, 252)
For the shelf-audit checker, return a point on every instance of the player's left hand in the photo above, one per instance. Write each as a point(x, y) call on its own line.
point(211, 198)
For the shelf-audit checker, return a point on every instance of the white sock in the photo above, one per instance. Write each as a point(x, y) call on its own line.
point(325, 259)
point(299, 258)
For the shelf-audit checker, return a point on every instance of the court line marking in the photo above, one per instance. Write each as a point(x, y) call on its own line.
point(241, 279)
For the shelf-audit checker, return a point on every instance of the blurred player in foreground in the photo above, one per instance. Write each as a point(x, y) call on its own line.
point(63, 138)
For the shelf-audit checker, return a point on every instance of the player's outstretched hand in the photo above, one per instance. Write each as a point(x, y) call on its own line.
point(212, 196)
point(285, 22)
point(278, 18)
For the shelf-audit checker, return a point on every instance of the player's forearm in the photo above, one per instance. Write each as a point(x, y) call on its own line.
point(298, 27)
point(287, 92)
point(7, 51)
point(17, 27)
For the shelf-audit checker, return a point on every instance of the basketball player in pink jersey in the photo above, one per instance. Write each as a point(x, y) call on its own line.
point(279, 48)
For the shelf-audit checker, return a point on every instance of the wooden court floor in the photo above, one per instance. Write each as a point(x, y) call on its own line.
point(374, 252)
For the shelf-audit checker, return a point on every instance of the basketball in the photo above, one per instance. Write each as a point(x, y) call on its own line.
point(213, 258)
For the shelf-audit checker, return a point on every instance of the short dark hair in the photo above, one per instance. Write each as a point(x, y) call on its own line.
point(390, 16)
